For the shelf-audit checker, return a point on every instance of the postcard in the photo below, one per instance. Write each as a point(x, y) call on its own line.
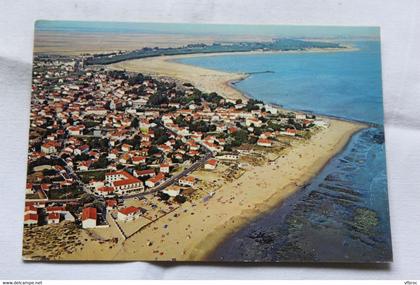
point(199, 142)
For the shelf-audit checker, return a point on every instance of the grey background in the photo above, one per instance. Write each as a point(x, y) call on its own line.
point(399, 22)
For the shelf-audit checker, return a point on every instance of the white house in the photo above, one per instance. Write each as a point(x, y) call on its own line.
point(210, 164)
point(49, 147)
point(123, 182)
point(264, 142)
point(105, 191)
point(89, 218)
point(128, 214)
point(187, 181)
point(156, 180)
point(53, 218)
point(172, 190)
point(30, 219)
point(228, 156)
point(164, 168)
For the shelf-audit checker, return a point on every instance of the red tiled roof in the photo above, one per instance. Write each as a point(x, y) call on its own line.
point(293, 131)
point(145, 172)
point(33, 217)
point(53, 216)
point(55, 209)
point(106, 189)
point(212, 161)
point(157, 178)
point(30, 208)
point(128, 181)
point(89, 213)
point(119, 172)
point(111, 202)
point(266, 141)
point(187, 178)
point(129, 210)
point(138, 158)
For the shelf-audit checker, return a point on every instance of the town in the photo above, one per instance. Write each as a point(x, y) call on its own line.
point(108, 147)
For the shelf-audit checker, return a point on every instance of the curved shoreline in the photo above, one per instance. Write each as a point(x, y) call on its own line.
point(205, 79)
point(270, 203)
point(297, 167)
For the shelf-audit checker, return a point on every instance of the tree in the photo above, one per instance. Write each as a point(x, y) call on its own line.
point(162, 139)
point(137, 79)
point(135, 123)
point(157, 99)
point(163, 196)
point(87, 198)
point(153, 150)
point(102, 162)
point(180, 199)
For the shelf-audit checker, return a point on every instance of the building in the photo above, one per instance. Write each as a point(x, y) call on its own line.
point(53, 218)
point(252, 121)
point(156, 180)
point(126, 147)
point(210, 164)
point(49, 147)
point(128, 214)
point(187, 181)
point(30, 220)
point(127, 186)
point(55, 209)
point(289, 132)
point(228, 156)
point(164, 168)
point(123, 182)
point(31, 210)
point(172, 190)
point(29, 188)
point(105, 191)
point(144, 173)
point(89, 218)
point(111, 204)
point(138, 160)
point(264, 142)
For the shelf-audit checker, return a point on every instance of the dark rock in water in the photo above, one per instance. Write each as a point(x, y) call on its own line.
point(261, 237)
point(379, 138)
point(340, 216)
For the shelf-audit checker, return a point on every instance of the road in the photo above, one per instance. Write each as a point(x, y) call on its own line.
point(158, 188)
point(175, 178)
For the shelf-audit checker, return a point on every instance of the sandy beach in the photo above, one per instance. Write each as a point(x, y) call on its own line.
point(204, 79)
point(193, 231)
point(207, 80)
point(199, 230)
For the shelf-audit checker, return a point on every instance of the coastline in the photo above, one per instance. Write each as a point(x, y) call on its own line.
point(193, 231)
point(208, 80)
point(236, 203)
point(277, 198)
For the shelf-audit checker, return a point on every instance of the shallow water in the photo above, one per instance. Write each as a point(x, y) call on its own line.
point(343, 84)
point(342, 214)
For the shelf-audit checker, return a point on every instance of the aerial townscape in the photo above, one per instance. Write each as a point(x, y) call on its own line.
point(135, 156)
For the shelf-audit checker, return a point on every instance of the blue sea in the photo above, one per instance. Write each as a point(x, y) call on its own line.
point(342, 214)
point(343, 84)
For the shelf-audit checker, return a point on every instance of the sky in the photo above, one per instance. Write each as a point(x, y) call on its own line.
point(207, 29)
